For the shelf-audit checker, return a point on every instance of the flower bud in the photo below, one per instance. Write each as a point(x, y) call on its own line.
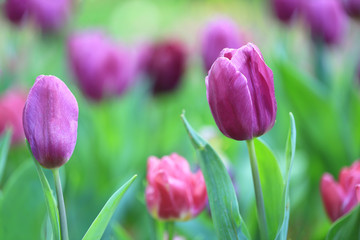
point(15, 10)
point(50, 121)
point(285, 9)
point(326, 19)
point(11, 110)
point(219, 34)
point(352, 7)
point(166, 65)
point(340, 197)
point(50, 15)
point(100, 67)
point(240, 92)
point(173, 191)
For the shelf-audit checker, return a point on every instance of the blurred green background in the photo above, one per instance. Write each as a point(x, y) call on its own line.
point(116, 136)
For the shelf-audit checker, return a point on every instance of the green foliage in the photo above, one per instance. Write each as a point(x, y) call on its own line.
point(100, 223)
point(222, 198)
point(346, 227)
point(4, 149)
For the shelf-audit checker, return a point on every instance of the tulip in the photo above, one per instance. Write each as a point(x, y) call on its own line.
point(219, 34)
point(326, 19)
point(166, 65)
point(11, 110)
point(100, 67)
point(15, 10)
point(352, 8)
point(340, 197)
point(48, 15)
point(285, 9)
point(173, 191)
point(50, 121)
point(240, 92)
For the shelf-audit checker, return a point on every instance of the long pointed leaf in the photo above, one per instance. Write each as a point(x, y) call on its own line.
point(346, 227)
point(289, 157)
point(100, 223)
point(4, 149)
point(49, 199)
point(222, 198)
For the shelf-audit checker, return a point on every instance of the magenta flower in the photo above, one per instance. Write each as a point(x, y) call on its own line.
point(101, 68)
point(240, 92)
point(352, 8)
point(165, 65)
point(285, 9)
point(340, 197)
point(48, 15)
point(50, 121)
point(11, 110)
point(219, 34)
point(173, 191)
point(326, 19)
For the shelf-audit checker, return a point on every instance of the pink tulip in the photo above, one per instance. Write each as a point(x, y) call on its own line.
point(11, 109)
point(173, 191)
point(340, 197)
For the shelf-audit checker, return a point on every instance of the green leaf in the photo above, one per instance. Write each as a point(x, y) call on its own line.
point(346, 227)
point(22, 208)
point(272, 185)
point(100, 223)
point(222, 198)
point(50, 200)
point(4, 149)
point(289, 157)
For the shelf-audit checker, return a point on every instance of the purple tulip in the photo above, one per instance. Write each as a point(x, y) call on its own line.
point(15, 10)
point(166, 65)
point(326, 19)
point(50, 121)
point(48, 15)
point(352, 8)
point(219, 34)
point(101, 68)
point(285, 9)
point(240, 92)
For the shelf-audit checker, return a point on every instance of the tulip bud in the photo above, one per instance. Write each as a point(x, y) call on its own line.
point(11, 110)
point(240, 92)
point(173, 191)
point(352, 8)
point(326, 19)
point(219, 34)
point(284, 9)
point(340, 197)
point(101, 68)
point(50, 121)
point(166, 65)
point(15, 10)
point(48, 15)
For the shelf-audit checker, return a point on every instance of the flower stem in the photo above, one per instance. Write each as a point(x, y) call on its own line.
point(170, 227)
point(61, 205)
point(258, 192)
point(159, 230)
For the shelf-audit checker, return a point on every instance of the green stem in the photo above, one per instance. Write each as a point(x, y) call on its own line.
point(258, 192)
point(171, 231)
point(61, 205)
point(321, 67)
point(159, 230)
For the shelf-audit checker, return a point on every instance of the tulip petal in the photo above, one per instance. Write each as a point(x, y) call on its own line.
point(332, 196)
point(230, 100)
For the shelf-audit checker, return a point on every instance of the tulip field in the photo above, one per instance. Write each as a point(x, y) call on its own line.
point(172, 120)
